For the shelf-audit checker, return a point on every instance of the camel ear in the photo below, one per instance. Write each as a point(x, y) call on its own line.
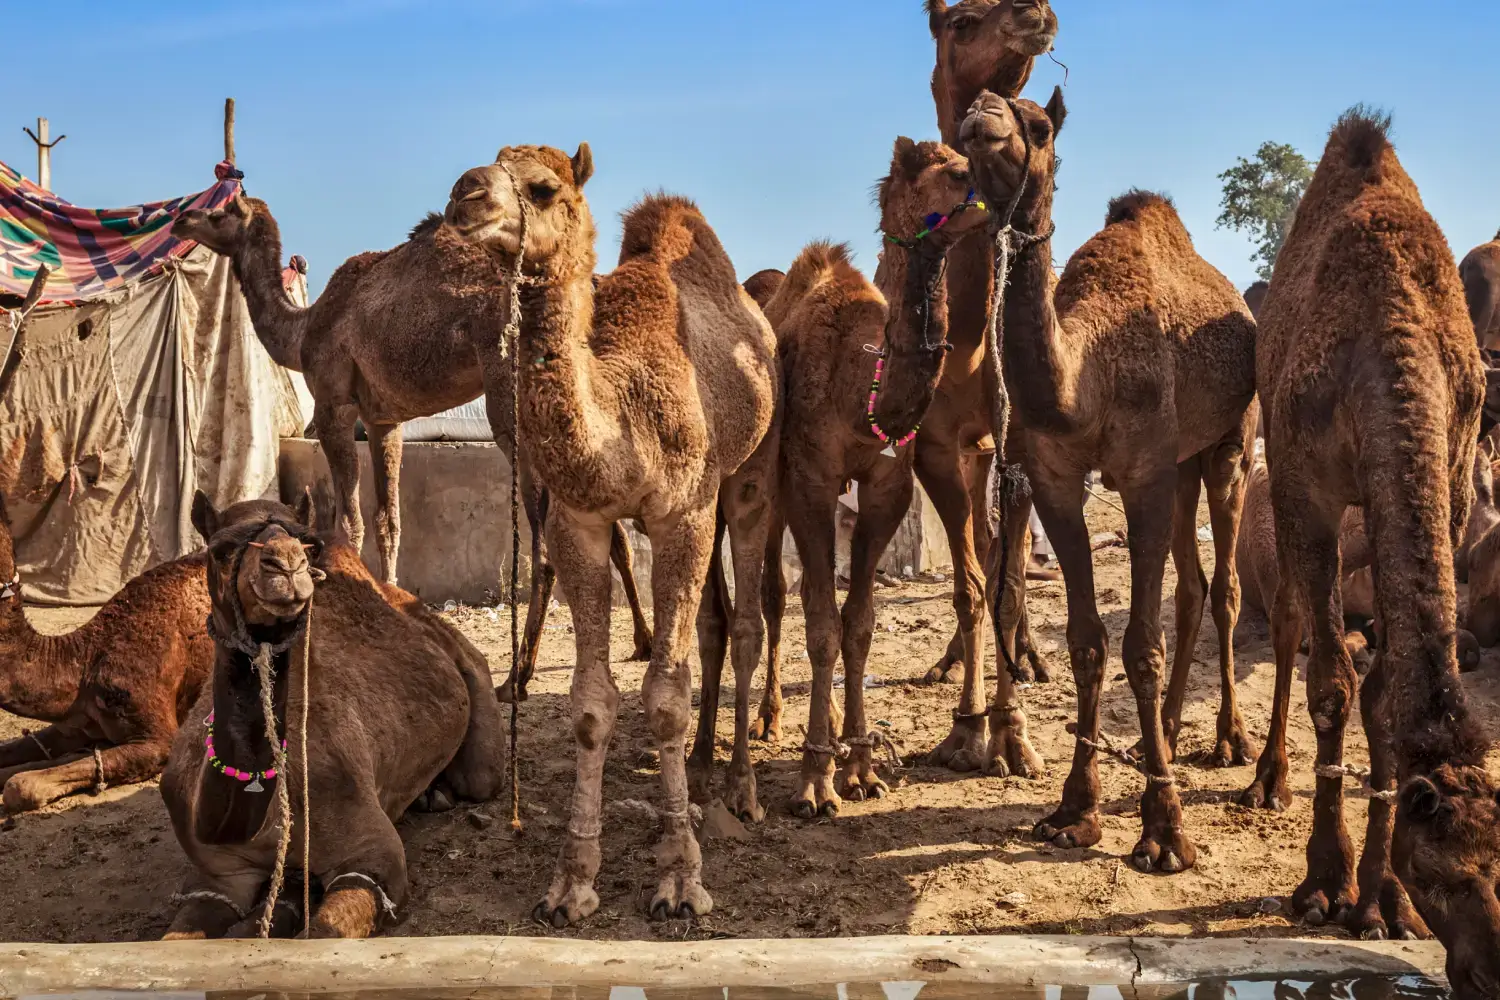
point(936, 11)
point(1057, 110)
point(1420, 800)
point(307, 511)
point(205, 518)
point(583, 165)
point(907, 158)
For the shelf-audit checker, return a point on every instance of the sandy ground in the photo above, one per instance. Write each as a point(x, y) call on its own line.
point(944, 853)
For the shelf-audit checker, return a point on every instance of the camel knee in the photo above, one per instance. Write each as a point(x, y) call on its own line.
point(1144, 659)
point(965, 605)
point(593, 724)
point(666, 698)
point(749, 637)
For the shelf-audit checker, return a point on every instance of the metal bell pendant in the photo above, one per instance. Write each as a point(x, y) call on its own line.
point(890, 451)
point(254, 786)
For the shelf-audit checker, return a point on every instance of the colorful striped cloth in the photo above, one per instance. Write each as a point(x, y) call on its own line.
point(91, 251)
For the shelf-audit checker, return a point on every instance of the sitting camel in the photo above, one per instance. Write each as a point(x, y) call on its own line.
point(860, 363)
point(1141, 365)
point(649, 396)
point(395, 703)
point(1372, 385)
point(397, 334)
point(114, 689)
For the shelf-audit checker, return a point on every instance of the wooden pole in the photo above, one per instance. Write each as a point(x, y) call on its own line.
point(43, 151)
point(229, 129)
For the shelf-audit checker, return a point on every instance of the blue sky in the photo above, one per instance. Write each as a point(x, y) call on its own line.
point(355, 116)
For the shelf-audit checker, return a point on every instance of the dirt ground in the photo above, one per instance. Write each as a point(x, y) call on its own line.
point(944, 853)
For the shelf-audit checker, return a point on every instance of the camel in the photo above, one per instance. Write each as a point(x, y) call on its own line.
point(650, 396)
point(114, 689)
point(860, 364)
point(1480, 272)
point(1255, 297)
point(1479, 559)
point(1372, 384)
point(397, 334)
point(396, 703)
point(982, 45)
point(1141, 365)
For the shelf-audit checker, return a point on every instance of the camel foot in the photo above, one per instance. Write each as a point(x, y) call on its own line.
point(680, 897)
point(740, 795)
point(859, 780)
point(963, 751)
point(1320, 901)
point(27, 791)
point(1232, 747)
point(504, 695)
point(948, 670)
point(642, 651)
point(1268, 791)
point(435, 800)
point(816, 796)
point(1068, 829)
point(567, 902)
point(1470, 653)
point(1168, 851)
point(766, 727)
point(1041, 669)
point(1387, 915)
point(1010, 752)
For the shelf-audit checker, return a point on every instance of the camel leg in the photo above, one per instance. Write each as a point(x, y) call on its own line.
point(138, 760)
point(1227, 477)
point(1059, 502)
point(1192, 588)
point(543, 577)
point(579, 544)
point(883, 503)
point(748, 500)
point(477, 771)
point(1270, 790)
point(1164, 845)
point(385, 457)
point(41, 749)
point(1009, 751)
point(1307, 537)
point(624, 562)
point(1384, 910)
point(767, 723)
point(210, 909)
point(335, 427)
point(810, 509)
point(352, 907)
point(1032, 665)
point(940, 474)
point(682, 549)
point(714, 614)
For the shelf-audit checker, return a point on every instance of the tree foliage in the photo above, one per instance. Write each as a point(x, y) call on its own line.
point(1261, 196)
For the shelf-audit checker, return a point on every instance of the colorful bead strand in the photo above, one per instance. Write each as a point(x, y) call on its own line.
point(870, 413)
point(252, 779)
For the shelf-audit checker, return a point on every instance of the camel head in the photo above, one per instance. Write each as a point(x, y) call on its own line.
point(486, 204)
point(1011, 144)
point(929, 190)
point(260, 555)
point(985, 45)
point(225, 229)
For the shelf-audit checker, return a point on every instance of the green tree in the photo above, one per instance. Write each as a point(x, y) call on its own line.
point(1261, 196)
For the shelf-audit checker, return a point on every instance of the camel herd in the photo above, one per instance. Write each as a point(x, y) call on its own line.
point(668, 393)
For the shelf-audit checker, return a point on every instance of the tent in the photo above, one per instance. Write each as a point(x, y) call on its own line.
point(142, 381)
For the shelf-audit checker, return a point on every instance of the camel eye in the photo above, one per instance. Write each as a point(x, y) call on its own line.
point(964, 26)
point(541, 192)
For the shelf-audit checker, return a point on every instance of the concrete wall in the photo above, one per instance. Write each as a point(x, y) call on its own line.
point(455, 522)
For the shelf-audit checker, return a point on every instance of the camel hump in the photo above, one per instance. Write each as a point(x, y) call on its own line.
point(822, 265)
point(1360, 138)
point(668, 226)
point(1135, 204)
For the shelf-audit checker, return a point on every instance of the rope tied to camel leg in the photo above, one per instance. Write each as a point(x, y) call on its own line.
point(267, 673)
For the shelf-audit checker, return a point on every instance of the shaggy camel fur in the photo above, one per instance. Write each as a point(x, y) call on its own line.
point(114, 689)
point(1479, 562)
point(397, 334)
point(1480, 271)
point(982, 45)
point(649, 397)
point(833, 328)
point(396, 701)
point(1145, 371)
point(1372, 385)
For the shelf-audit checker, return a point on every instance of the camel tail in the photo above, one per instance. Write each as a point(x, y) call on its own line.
point(1416, 498)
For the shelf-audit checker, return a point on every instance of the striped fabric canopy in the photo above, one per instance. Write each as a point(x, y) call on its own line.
point(91, 251)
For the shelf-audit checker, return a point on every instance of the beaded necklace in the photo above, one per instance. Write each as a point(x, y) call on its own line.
point(253, 778)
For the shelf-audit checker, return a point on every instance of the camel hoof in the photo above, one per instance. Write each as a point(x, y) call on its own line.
point(661, 911)
point(878, 790)
point(803, 809)
point(642, 651)
point(1171, 863)
point(855, 793)
point(829, 809)
point(686, 911)
point(1373, 934)
point(1314, 917)
point(503, 693)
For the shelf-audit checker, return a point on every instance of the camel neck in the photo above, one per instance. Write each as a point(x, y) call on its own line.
point(1038, 372)
point(39, 674)
point(914, 286)
point(953, 99)
point(227, 812)
point(279, 322)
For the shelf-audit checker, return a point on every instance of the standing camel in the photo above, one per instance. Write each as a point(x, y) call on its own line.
point(1141, 364)
point(1480, 271)
point(982, 45)
point(397, 334)
point(646, 397)
point(1372, 384)
point(396, 702)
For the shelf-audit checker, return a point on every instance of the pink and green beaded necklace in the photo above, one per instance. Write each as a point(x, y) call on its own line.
point(253, 779)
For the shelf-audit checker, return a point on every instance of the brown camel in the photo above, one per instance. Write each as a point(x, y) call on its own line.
point(1372, 385)
point(1480, 272)
point(1479, 562)
point(397, 334)
point(837, 336)
point(395, 703)
point(1144, 369)
point(1255, 296)
point(982, 45)
point(115, 689)
point(650, 396)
